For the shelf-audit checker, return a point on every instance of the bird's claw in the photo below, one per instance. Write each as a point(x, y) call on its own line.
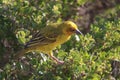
point(60, 62)
point(57, 60)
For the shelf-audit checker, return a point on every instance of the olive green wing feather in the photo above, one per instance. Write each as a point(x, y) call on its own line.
point(42, 38)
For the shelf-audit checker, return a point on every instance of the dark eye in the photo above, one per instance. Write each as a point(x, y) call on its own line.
point(72, 30)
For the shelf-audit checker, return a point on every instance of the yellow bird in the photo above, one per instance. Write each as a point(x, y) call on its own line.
point(49, 37)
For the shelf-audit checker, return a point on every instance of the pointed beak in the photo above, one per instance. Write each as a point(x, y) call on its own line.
point(78, 32)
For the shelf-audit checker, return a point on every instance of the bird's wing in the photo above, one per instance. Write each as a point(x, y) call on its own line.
point(41, 39)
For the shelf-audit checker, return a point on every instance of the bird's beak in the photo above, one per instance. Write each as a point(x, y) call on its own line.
point(78, 32)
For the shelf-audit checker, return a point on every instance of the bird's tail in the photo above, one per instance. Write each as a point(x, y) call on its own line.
point(20, 54)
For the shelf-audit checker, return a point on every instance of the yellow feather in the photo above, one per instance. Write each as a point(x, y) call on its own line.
point(48, 38)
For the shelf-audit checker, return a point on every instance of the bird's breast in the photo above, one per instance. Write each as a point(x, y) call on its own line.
point(49, 47)
point(62, 39)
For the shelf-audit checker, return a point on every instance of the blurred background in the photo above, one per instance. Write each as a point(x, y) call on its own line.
point(94, 56)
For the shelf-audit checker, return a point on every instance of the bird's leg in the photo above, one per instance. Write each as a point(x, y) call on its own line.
point(56, 59)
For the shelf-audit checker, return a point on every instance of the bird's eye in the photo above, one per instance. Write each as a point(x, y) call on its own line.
point(72, 30)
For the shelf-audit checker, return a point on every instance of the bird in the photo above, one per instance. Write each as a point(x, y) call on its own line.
point(49, 37)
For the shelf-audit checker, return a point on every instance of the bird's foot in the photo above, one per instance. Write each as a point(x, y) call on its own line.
point(60, 62)
point(57, 60)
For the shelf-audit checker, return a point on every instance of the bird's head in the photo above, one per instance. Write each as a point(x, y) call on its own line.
point(70, 28)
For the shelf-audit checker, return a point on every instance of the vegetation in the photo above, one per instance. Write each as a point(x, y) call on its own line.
point(88, 57)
